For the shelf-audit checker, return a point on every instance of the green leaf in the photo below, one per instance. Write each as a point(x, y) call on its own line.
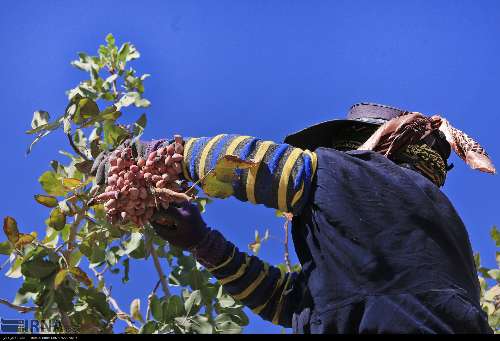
point(57, 219)
point(148, 328)
point(226, 301)
point(135, 310)
point(38, 268)
point(218, 183)
point(74, 258)
point(131, 330)
point(40, 119)
point(225, 324)
point(98, 255)
point(495, 234)
point(87, 109)
point(64, 298)
point(229, 327)
point(25, 239)
point(71, 183)
point(51, 184)
point(477, 260)
point(128, 99)
point(10, 229)
point(255, 245)
point(131, 245)
point(29, 289)
point(495, 274)
point(126, 269)
point(200, 325)
point(172, 308)
point(6, 248)
point(97, 300)
point(60, 277)
point(140, 125)
point(113, 134)
point(193, 300)
point(156, 308)
point(15, 269)
point(142, 103)
point(45, 200)
point(132, 53)
point(80, 275)
point(110, 39)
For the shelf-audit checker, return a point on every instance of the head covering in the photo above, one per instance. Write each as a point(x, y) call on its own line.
point(362, 120)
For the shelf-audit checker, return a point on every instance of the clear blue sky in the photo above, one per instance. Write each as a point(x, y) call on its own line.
point(262, 68)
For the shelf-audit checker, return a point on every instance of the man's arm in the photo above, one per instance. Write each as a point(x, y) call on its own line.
point(268, 291)
point(282, 180)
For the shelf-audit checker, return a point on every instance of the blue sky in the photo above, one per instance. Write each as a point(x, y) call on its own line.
point(262, 68)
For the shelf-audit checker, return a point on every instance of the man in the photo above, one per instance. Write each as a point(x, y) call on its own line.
point(381, 248)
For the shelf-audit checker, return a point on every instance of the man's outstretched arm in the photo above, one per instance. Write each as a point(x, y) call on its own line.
point(282, 180)
point(265, 289)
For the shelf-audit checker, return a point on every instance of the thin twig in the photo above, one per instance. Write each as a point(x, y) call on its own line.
point(121, 315)
point(19, 308)
point(150, 298)
point(198, 181)
point(163, 278)
point(72, 233)
point(7, 261)
point(288, 218)
point(75, 148)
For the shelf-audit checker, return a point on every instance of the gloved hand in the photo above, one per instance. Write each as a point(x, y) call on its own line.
point(182, 225)
point(101, 163)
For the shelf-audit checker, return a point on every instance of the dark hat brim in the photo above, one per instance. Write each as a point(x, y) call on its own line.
point(325, 133)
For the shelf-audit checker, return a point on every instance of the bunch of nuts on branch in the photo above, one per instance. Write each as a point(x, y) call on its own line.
point(135, 188)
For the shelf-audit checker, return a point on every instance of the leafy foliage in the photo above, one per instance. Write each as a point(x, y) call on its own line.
point(56, 282)
point(489, 280)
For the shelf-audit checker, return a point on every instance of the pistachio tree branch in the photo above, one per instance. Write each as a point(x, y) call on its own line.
point(19, 308)
point(75, 148)
point(288, 218)
point(119, 312)
point(163, 278)
point(150, 298)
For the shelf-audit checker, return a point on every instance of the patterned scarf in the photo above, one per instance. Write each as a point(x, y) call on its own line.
point(421, 158)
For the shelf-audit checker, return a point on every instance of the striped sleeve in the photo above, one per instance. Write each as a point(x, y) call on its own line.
point(282, 180)
point(265, 289)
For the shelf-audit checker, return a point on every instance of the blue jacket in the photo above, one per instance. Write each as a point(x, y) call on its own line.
point(382, 249)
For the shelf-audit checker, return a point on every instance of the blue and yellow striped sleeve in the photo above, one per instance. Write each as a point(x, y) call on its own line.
point(266, 290)
point(282, 180)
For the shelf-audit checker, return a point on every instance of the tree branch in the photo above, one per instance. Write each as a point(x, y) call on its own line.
point(75, 148)
point(163, 278)
point(19, 308)
point(150, 297)
point(120, 313)
point(72, 234)
point(288, 218)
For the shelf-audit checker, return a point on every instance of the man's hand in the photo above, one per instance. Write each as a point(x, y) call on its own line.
point(182, 225)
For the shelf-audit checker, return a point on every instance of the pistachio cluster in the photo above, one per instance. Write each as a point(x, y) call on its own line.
point(136, 187)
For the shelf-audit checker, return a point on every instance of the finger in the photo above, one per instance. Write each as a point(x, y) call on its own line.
point(174, 213)
point(164, 231)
